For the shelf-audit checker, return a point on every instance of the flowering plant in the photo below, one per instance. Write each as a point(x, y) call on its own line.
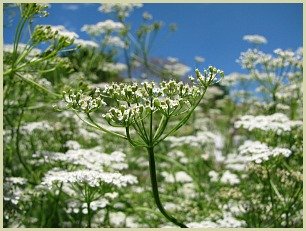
point(136, 105)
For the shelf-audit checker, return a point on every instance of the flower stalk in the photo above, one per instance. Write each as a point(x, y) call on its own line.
point(140, 107)
point(155, 189)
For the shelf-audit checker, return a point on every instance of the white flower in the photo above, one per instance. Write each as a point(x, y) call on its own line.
point(72, 144)
point(214, 176)
point(82, 101)
point(180, 176)
point(213, 92)
point(235, 166)
point(176, 154)
point(77, 206)
point(16, 180)
point(229, 178)
point(278, 123)
point(227, 221)
point(253, 57)
point(234, 208)
point(32, 126)
point(136, 101)
point(203, 224)
point(114, 41)
point(233, 78)
point(91, 177)
point(284, 53)
point(218, 155)
point(256, 39)
point(197, 140)
point(102, 27)
point(188, 190)
point(117, 219)
point(183, 177)
point(254, 151)
point(177, 68)
point(44, 82)
point(112, 195)
point(122, 9)
point(170, 206)
point(131, 222)
point(258, 60)
point(99, 204)
point(89, 158)
point(114, 67)
point(87, 134)
point(86, 43)
point(12, 190)
point(73, 207)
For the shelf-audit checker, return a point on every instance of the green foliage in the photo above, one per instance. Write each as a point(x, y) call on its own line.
point(222, 156)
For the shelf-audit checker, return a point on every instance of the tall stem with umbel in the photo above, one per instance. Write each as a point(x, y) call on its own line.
point(155, 189)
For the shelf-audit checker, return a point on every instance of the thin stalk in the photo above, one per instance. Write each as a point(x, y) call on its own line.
point(159, 127)
point(271, 197)
point(55, 208)
point(128, 63)
point(31, 62)
point(155, 189)
point(144, 129)
point(134, 143)
point(24, 53)
point(19, 29)
point(141, 131)
point(38, 86)
point(151, 129)
point(88, 199)
point(89, 215)
point(161, 131)
point(184, 120)
point(23, 163)
point(94, 124)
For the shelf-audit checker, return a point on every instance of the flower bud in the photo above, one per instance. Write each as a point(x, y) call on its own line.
point(156, 103)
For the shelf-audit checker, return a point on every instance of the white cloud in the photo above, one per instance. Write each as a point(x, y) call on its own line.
point(72, 7)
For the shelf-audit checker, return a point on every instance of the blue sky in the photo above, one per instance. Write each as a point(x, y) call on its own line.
point(213, 31)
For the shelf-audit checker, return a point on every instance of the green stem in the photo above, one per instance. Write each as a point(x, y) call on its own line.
point(155, 189)
point(31, 62)
point(184, 120)
point(24, 53)
point(94, 124)
point(38, 86)
point(89, 215)
point(128, 63)
point(161, 127)
point(19, 29)
point(140, 131)
point(134, 143)
point(18, 152)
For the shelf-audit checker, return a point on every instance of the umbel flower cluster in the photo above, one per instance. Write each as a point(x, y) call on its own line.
point(133, 105)
point(43, 33)
point(278, 123)
point(147, 108)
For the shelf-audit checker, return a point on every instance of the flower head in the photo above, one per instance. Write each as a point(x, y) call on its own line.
point(133, 104)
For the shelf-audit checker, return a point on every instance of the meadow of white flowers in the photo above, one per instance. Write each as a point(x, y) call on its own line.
point(91, 142)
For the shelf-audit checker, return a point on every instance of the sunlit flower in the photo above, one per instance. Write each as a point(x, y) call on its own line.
point(102, 27)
